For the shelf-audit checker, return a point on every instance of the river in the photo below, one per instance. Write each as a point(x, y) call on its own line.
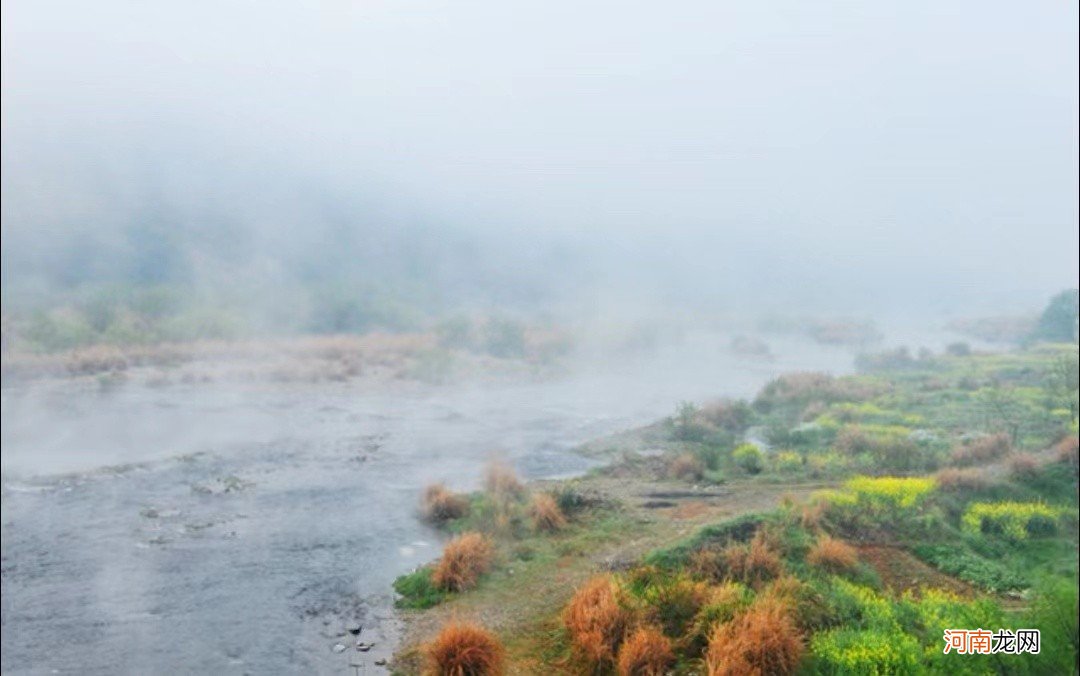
point(211, 529)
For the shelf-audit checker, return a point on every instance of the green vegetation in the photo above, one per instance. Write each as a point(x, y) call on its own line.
point(1059, 320)
point(949, 502)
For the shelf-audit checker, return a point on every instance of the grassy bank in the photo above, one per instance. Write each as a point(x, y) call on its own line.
point(828, 526)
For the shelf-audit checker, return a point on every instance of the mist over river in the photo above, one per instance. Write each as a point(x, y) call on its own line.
point(238, 530)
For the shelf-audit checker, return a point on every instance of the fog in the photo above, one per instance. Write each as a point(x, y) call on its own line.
point(272, 268)
point(912, 157)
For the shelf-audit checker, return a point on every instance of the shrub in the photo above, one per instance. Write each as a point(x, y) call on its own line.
point(440, 504)
point(1014, 520)
point(722, 604)
point(463, 649)
point(545, 513)
point(464, 560)
point(597, 620)
point(417, 590)
point(1068, 453)
point(754, 563)
point(957, 479)
point(686, 466)
point(1053, 612)
point(1023, 466)
point(674, 601)
point(647, 652)
point(787, 462)
point(733, 416)
point(749, 458)
point(796, 390)
point(707, 563)
point(851, 652)
point(710, 455)
point(686, 424)
point(890, 446)
point(501, 482)
point(833, 555)
point(572, 501)
point(982, 449)
point(761, 640)
point(859, 606)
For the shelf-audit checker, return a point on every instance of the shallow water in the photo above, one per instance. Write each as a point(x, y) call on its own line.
point(251, 524)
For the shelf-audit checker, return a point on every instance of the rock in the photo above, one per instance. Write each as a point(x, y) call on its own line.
point(339, 648)
point(381, 662)
point(364, 647)
point(354, 628)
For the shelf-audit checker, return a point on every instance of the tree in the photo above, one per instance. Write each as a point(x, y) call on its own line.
point(1059, 320)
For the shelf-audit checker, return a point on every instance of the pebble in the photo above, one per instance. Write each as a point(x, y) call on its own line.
point(339, 648)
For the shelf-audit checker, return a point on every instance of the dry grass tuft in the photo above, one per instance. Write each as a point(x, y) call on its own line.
point(597, 620)
point(752, 564)
point(1068, 453)
point(647, 652)
point(463, 649)
point(441, 504)
point(812, 514)
point(722, 605)
point(546, 514)
point(708, 564)
point(763, 640)
point(502, 482)
point(833, 555)
point(956, 479)
point(464, 560)
point(982, 449)
point(686, 466)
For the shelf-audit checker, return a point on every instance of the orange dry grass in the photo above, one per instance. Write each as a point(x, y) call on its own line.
point(501, 481)
point(545, 513)
point(707, 563)
point(463, 649)
point(752, 564)
point(956, 479)
point(1023, 465)
point(441, 504)
point(464, 560)
point(647, 652)
point(763, 641)
point(686, 466)
point(597, 621)
point(833, 555)
point(1068, 453)
point(982, 449)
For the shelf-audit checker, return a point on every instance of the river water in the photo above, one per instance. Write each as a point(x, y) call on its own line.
point(206, 529)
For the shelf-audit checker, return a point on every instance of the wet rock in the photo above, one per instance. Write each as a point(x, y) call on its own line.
point(339, 648)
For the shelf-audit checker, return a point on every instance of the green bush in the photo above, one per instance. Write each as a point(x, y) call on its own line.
point(748, 458)
point(853, 652)
point(417, 590)
point(1054, 613)
point(787, 462)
